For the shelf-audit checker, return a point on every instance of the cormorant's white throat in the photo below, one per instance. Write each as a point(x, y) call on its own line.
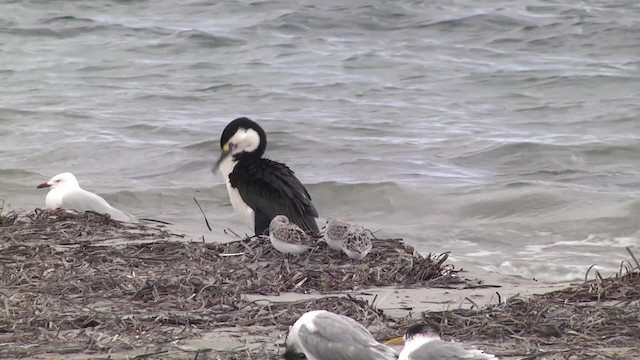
point(259, 188)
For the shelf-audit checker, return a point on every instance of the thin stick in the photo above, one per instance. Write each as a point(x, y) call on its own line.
point(157, 221)
point(142, 356)
point(234, 233)
point(474, 304)
point(202, 211)
point(586, 275)
point(633, 256)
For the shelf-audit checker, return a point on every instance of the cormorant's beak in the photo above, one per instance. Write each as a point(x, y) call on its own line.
point(395, 341)
point(226, 151)
point(43, 185)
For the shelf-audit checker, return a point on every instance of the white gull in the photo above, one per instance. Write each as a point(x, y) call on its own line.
point(66, 193)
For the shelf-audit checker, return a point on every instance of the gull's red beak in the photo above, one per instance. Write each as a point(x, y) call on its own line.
point(43, 185)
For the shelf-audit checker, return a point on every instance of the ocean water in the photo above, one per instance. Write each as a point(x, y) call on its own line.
point(505, 132)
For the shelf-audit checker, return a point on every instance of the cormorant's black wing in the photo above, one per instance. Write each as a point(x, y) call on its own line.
point(270, 188)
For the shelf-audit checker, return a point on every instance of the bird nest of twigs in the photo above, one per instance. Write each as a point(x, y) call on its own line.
point(85, 282)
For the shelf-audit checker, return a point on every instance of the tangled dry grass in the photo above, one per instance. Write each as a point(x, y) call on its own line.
point(86, 283)
point(563, 324)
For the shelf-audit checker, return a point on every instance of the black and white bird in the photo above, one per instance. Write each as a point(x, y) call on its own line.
point(422, 342)
point(259, 188)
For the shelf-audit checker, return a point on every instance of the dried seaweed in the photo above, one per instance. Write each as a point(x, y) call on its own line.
point(63, 288)
point(624, 286)
point(85, 284)
point(559, 324)
point(250, 266)
point(61, 228)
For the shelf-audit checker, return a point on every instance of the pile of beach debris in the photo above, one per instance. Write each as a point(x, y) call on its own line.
point(83, 285)
point(73, 283)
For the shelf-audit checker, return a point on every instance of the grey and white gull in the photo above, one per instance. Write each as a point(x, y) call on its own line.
point(323, 335)
point(65, 193)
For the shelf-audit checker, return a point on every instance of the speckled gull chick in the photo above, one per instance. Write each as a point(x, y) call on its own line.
point(334, 231)
point(323, 335)
point(422, 342)
point(66, 193)
point(287, 237)
point(356, 242)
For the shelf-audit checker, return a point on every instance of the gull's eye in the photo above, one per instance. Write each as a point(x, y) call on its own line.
point(58, 180)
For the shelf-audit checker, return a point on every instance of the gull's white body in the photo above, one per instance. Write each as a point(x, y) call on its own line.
point(431, 347)
point(323, 335)
point(66, 193)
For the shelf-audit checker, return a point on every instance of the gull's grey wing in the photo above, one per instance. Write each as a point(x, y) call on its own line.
point(444, 350)
point(337, 337)
point(83, 200)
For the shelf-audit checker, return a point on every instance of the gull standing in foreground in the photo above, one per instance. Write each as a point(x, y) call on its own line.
point(287, 237)
point(66, 193)
point(422, 342)
point(334, 231)
point(356, 242)
point(323, 335)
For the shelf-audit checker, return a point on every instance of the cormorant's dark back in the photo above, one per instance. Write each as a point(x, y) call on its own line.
point(259, 188)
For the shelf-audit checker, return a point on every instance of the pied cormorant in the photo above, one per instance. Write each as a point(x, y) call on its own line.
point(259, 188)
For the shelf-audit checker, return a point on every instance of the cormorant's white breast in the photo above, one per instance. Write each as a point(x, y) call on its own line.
point(259, 188)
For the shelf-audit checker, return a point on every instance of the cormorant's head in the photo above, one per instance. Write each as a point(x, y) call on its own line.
point(242, 137)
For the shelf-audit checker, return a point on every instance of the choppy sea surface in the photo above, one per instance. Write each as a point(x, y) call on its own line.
point(506, 132)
